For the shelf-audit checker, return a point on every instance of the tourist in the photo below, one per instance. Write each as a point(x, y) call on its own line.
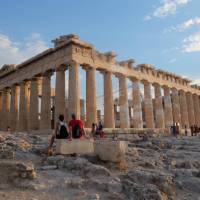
point(186, 131)
point(76, 128)
point(192, 130)
point(94, 129)
point(61, 131)
point(174, 129)
point(100, 130)
point(196, 130)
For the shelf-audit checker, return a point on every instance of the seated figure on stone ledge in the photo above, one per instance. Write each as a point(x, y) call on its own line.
point(76, 128)
point(61, 131)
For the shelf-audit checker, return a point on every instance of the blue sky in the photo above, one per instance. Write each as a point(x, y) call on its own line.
point(165, 33)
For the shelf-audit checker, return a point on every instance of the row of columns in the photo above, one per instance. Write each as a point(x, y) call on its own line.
point(20, 110)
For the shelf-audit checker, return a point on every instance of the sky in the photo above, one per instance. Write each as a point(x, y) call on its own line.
point(164, 33)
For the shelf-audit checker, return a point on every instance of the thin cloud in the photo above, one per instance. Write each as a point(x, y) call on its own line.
point(192, 43)
point(14, 52)
point(185, 25)
point(166, 8)
point(173, 60)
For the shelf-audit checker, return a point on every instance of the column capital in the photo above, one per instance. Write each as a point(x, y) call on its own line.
point(145, 82)
point(104, 71)
point(119, 75)
point(156, 85)
point(24, 82)
point(181, 92)
point(134, 79)
point(61, 67)
point(72, 63)
point(48, 73)
point(88, 67)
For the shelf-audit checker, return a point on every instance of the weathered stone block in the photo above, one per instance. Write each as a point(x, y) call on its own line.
point(110, 150)
point(81, 146)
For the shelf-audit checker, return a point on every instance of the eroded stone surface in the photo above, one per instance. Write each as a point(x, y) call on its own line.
point(163, 168)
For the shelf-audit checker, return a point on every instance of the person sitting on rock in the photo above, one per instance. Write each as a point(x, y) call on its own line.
point(76, 128)
point(94, 129)
point(100, 130)
point(61, 130)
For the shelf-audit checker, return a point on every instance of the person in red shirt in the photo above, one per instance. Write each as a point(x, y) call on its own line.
point(76, 128)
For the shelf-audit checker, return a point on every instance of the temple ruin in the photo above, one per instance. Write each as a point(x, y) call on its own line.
point(21, 85)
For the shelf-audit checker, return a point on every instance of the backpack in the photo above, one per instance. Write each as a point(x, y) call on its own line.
point(76, 132)
point(63, 132)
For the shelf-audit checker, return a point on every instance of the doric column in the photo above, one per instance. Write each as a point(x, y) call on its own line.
point(91, 107)
point(60, 92)
point(74, 90)
point(183, 109)
point(159, 113)
point(176, 106)
point(167, 107)
point(34, 104)
point(196, 109)
point(123, 103)
point(190, 107)
point(14, 107)
point(6, 109)
point(45, 121)
point(109, 119)
point(1, 114)
point(82, 109)
point(137, 106)
point(99, 115)
point(23, 106)
point(148, 105)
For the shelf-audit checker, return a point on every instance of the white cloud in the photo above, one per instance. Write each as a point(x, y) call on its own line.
point(14, 52)
point(166, 8)
point(185, 25)
point(173, 60)
point(192, 43)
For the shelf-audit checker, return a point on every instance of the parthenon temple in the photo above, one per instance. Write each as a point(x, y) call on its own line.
point(27, 101)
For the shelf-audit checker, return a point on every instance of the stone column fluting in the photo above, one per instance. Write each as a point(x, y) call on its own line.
point(176, 106)
point(1, 114)
point(60, 92)
point(168, 107)
point(82, 110)
point(183, 109)
point(123, 102)
point(6, 109)
point(74, 90)
point(45, 121)
point(23, 106)
point(109, 118)
point(14, 107)
point(137, 105)
point(159, 113)
point(196, 109)
point(190, 107)
point(148, 105)
point(34, 104)
point(91, 107)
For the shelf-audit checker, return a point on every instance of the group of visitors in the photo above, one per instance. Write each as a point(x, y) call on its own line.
point(74, 130)
point(195, 130)
point(97, 130)
point(175, 129)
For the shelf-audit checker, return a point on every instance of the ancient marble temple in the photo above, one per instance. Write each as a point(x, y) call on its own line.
point(175, 99)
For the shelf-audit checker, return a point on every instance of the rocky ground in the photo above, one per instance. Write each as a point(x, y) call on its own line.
point(155, 168)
